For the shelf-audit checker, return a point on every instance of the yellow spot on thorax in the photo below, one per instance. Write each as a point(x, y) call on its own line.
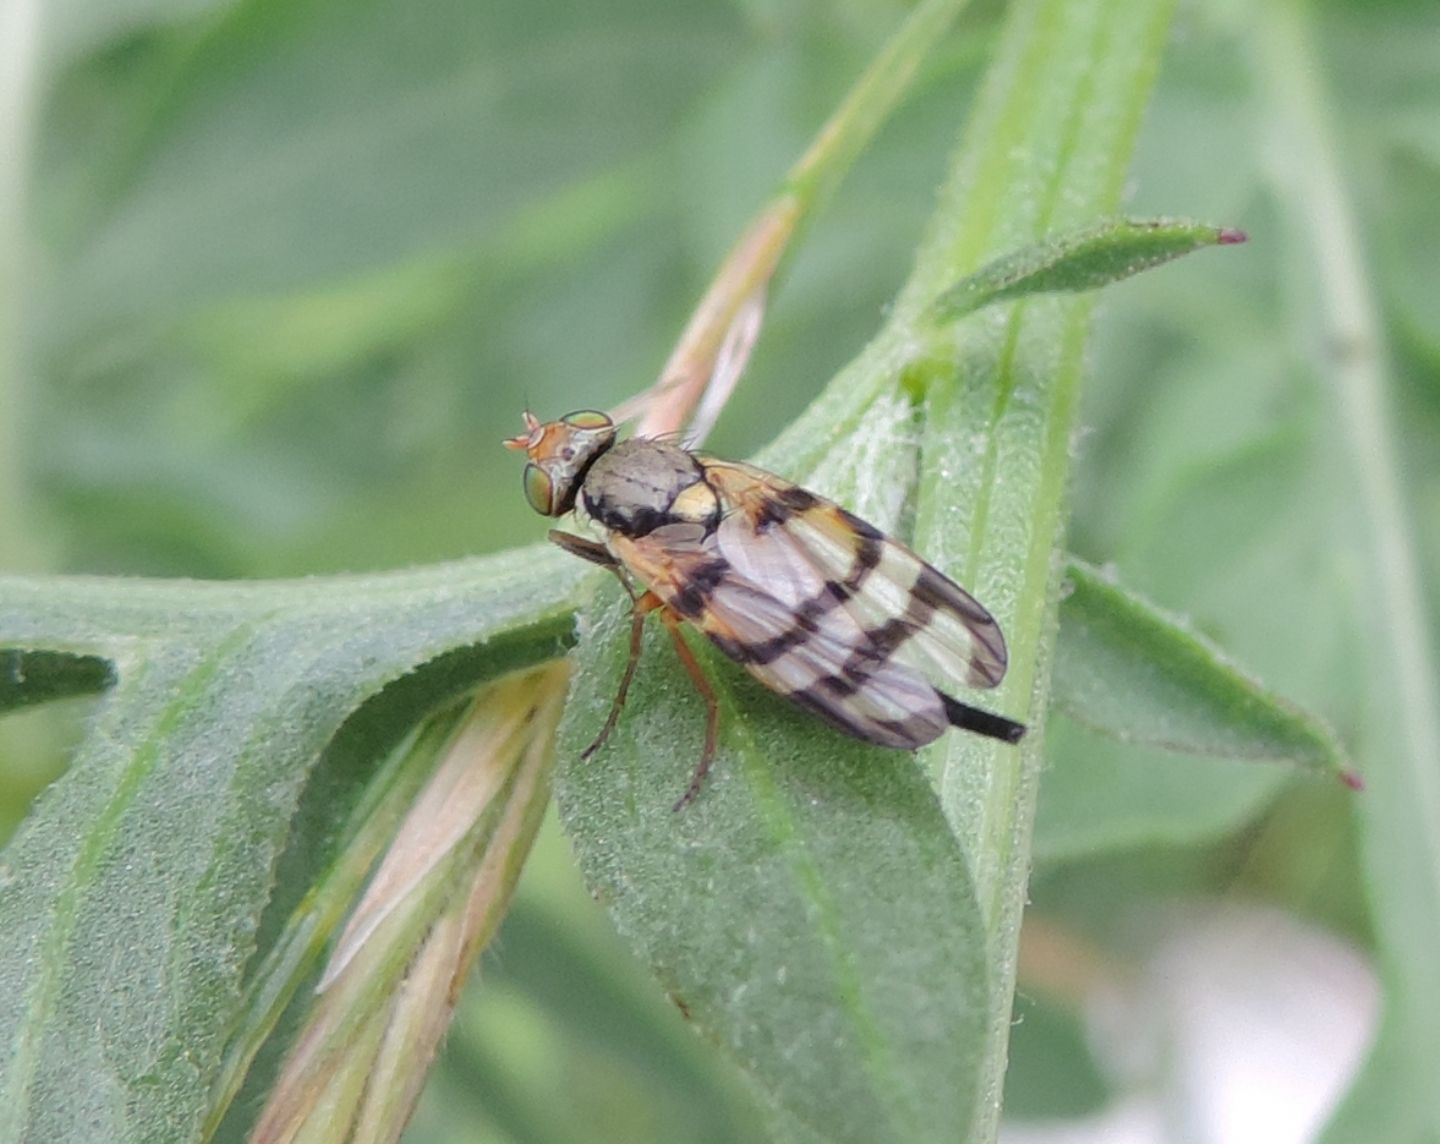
point(697, 503)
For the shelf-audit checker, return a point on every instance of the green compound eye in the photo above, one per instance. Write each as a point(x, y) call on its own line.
point(539, 490)
point(587, 419)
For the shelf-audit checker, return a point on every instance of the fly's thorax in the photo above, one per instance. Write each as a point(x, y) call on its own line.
point(641, 485)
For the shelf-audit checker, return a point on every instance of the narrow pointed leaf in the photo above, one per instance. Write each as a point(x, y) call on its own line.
point(1129, 670)
point(1084, 260)
point(1101, 795)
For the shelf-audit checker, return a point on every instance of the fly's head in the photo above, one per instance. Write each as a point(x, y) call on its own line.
point(560, 453)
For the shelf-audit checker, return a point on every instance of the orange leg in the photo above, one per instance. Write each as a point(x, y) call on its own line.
point(712, 708)
point(641, 608)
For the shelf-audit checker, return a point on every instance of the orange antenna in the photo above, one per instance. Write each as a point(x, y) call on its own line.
point(527, 438)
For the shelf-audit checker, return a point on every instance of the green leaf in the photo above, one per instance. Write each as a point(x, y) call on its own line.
point(1132, 685)
point(1084, 260)
point(810, 909)
point(134, 889)
point(553, 961)
point(1101, 796)
point(1127, 669)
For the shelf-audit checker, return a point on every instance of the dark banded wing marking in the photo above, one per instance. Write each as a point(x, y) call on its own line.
point(821, 607)
point(905, 606)
point(805, 653)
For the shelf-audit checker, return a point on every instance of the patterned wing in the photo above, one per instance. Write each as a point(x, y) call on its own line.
point(906, 606)
point(821, 608)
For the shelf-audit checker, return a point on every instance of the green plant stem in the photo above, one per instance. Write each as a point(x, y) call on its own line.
point(753, 261)
point(1400, 814)
point(868, 104)
point(1048, 149)
point(19, 50)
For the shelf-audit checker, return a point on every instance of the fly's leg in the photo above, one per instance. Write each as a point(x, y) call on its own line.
point(712, 708)
point(640, 608)
point(591, 550)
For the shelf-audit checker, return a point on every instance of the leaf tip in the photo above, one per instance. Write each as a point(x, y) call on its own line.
point(1352, 780)
point(1230, 236)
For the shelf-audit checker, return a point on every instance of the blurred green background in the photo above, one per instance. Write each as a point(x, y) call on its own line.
point(286, 272)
